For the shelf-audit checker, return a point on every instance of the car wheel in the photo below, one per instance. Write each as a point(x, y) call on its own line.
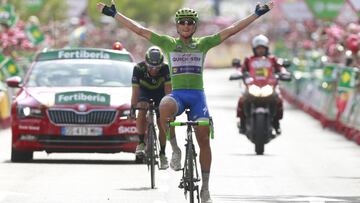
point(139, 159)
point(21, 156)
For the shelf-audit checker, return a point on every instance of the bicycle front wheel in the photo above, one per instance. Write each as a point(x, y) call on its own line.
point(190, 171)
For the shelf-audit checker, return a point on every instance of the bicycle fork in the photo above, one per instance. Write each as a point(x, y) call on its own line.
point(189, 181)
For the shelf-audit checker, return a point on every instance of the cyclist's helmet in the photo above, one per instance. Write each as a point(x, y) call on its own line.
point(186, 13)
point(260, 41)
point(154, 56)
point(117, 46)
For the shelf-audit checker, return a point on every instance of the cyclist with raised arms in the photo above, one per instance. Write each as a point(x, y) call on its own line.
point(186, 56)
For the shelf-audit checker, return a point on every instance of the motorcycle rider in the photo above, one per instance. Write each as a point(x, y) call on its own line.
point(151, 80)
point(253, 68)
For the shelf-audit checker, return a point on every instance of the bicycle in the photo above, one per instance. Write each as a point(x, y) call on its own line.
point(152, 147)
point(190, 176)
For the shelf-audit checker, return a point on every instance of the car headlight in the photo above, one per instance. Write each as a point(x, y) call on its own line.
point(255, 90)
point(124, 114)
point(261, 91)
point(27, 111)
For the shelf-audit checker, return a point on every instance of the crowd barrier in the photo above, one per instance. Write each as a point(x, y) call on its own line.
point(328, 92)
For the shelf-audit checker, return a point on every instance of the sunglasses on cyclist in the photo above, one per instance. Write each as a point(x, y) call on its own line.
point(153, 67)
point(186, 21)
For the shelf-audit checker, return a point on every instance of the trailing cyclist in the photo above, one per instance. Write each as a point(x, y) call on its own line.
point(151, 80)
point(186, 56)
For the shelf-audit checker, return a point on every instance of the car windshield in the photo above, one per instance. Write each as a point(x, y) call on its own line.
point(75, 72)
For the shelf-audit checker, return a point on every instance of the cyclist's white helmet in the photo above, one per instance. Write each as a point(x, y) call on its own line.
point(260, 40)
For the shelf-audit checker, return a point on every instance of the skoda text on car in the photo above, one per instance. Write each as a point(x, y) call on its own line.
point(74, 100)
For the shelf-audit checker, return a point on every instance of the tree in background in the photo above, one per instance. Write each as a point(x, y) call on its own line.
point(45, 10)
point(156, 12)
point(141, 10)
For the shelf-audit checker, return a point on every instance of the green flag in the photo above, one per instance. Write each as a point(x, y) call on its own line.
point(2, 58)
point(34, 34)
point(7, 15)
point(326, 9)
point(329, 73)
point(347, 78)
point(9, 67)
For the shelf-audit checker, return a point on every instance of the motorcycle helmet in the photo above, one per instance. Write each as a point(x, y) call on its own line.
point(260, 40)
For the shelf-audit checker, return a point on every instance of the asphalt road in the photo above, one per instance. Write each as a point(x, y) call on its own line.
point(305, 164)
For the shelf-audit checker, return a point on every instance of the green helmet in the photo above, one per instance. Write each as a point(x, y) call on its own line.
point(186, 13)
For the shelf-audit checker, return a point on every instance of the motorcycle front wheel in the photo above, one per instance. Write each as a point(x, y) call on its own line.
point(260, 133)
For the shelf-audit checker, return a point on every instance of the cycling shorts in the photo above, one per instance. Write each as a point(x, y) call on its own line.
point(156, 96)
point(194, 100)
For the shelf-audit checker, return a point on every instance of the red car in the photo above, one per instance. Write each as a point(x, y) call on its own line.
point(74, 100)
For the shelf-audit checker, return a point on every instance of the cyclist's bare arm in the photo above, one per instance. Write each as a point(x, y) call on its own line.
point(241, 24)
point(129, 23)
point(167, 88)
point(135, 95)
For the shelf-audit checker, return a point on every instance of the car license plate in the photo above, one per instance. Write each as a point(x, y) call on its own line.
point(81, 131)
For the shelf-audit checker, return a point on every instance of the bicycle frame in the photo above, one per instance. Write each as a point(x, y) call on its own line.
point(189, 179)
point(151, 151)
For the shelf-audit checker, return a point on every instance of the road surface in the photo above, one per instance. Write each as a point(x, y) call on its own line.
point(305, 164)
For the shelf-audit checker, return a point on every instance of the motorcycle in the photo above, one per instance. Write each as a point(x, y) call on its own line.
point(261, 106)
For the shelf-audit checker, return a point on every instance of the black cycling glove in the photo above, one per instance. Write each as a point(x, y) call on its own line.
point(109, 11)
point(261, 10)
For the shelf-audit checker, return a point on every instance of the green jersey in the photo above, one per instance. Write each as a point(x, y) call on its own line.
point(186, 61)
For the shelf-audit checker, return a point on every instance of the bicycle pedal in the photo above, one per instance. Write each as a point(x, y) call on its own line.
point(181, 186)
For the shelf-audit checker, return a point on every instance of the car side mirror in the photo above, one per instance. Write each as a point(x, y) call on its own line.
point(236, 76)
point(14, 81)
point(236, 63)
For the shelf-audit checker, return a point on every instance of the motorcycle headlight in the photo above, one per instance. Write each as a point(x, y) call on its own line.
point(27, 111)
point(255, 90)
point(261, 91)
point(267, 91)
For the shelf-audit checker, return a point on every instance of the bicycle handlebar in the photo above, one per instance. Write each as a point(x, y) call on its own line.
point(145, 109)
point(190, 123)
